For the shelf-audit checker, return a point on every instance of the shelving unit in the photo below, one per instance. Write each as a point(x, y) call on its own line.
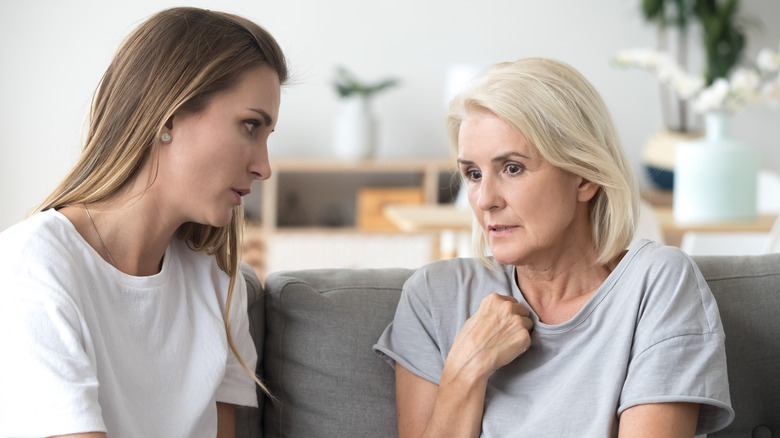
point(272, 244)
point(428, 172)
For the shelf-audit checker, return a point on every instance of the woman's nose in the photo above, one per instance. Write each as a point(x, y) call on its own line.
point(260, 167)
point(488, 195)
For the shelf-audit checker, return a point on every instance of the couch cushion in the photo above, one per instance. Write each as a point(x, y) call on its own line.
point(249, 419)
point(747, 290)
point(318, 358)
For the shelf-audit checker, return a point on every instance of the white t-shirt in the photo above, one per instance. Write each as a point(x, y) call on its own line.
point(86, 347)
point(650, 334)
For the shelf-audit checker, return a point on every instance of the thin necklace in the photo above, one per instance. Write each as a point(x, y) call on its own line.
point(99, 238)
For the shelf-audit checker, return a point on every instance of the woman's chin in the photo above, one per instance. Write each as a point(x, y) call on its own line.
point(218, 220)
point(506, 257)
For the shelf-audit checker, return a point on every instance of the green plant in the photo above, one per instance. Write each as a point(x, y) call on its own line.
point(347, 84)
point(722, 34)
point(722, 38)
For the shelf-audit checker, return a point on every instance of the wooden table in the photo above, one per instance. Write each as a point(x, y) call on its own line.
point(673, 231)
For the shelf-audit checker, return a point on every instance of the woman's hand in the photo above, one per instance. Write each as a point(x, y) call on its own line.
point(497, 333)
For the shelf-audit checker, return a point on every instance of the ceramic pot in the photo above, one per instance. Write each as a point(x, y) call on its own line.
point(354, 129)
point(715, 177)
point(658, 156)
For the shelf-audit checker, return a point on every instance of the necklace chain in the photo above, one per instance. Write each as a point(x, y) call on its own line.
point(99, 237)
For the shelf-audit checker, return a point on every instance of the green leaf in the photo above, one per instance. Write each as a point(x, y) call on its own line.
point(348, 84)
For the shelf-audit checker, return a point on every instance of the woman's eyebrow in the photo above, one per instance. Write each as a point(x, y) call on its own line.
point(266, 118)
point(509, 155)
point(497, 159)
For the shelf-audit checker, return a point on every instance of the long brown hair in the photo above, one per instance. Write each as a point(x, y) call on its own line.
point(176, 60)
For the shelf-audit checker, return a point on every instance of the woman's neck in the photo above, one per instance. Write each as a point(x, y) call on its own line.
point(128, 231)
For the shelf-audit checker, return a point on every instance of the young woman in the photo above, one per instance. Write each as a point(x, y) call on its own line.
point(561, 332)
point(123, 311)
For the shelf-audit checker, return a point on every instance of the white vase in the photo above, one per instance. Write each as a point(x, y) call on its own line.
point(354, 129)
point(715, 178)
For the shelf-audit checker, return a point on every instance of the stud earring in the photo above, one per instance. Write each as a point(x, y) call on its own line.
point(165, 137)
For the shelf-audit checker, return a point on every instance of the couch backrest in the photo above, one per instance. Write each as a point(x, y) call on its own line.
point(319, 329)
point(747, 290)
point(314, 332)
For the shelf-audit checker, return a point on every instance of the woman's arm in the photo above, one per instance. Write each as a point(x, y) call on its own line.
point(659, 420)
point(426, 409)
point(226, 420)
point(497, 333)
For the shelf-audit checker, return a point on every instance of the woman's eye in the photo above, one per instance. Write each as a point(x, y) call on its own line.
point(472, 175)
point(514, 169)
point(251, 125)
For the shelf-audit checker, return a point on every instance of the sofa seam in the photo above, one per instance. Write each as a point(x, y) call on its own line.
point(740, 277)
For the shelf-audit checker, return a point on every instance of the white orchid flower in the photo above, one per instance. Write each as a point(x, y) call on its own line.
point(770, 93)
point(768, 61)
point(688, 86)
point(743, 86)
point(713, 97)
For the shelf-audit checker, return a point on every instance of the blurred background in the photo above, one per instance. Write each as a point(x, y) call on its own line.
point(54, 52)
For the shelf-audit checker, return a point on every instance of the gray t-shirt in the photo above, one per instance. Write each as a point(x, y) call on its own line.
point(650, 334)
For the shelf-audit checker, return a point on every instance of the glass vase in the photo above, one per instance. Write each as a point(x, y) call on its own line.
point(716, 176)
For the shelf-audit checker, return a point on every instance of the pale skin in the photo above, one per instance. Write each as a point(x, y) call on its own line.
point(535, 217)
point(199, 176)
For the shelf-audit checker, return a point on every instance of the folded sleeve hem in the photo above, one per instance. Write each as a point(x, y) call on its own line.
point(392, 358)
point(237, 396)
point(714, 415)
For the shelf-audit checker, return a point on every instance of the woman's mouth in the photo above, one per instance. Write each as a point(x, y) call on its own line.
point(239, 194)
point(500, 230)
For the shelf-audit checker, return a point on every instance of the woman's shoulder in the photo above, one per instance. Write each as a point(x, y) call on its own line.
point(649, 255)
point(44, 234)
point(459, 274)
point(41, 256)
point(663, 273)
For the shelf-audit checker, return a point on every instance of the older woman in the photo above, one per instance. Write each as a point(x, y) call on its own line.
point(563, 330)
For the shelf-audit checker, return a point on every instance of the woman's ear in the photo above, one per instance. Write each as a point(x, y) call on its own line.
point(586, 190)
point(169, 123)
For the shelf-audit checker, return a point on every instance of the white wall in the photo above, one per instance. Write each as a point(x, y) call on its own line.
point(53, 53)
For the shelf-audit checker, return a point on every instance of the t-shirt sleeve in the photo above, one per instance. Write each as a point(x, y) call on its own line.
point(48, 383)
point(411, 338)
point(238, 387)
point(678, 354)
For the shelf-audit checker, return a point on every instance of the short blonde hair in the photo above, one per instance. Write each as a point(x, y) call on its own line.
point(563, 116)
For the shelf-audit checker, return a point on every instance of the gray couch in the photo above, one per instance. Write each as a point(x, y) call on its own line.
point(314, 331)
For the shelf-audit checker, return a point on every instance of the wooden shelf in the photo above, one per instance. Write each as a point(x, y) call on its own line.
point(428, 169)
point(418, 218)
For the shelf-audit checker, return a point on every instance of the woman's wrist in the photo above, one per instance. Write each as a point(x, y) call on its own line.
point(472, 371)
